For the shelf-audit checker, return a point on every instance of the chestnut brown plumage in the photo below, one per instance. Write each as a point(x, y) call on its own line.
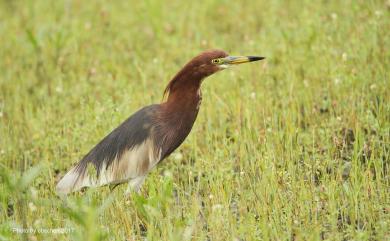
point(131, 150)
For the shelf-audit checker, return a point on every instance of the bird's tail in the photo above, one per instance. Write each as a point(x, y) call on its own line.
point(73, 181)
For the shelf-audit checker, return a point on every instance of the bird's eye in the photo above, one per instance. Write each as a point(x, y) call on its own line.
point(216, 61)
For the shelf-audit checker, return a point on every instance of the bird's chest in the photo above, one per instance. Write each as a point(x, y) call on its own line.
point(176, 128)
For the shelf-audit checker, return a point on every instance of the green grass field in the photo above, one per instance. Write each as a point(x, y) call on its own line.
point(296, 147)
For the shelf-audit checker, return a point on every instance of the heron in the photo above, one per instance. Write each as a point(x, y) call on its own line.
point(135, 147)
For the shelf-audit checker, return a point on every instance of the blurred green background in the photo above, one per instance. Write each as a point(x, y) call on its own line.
point(292, 148)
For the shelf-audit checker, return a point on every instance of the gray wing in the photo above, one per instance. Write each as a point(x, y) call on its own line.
point(126, 153)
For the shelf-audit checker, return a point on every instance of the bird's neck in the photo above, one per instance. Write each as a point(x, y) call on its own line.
point(178, 115)
point(185, 99)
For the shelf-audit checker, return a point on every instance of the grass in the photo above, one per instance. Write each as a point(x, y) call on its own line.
point(293, 148)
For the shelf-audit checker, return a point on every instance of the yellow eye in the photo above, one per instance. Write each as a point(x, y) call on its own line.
point(216, 61)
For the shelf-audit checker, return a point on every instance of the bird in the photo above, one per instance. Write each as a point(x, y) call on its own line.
point(135, 147)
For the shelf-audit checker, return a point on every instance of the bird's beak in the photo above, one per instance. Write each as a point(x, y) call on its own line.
point(240, 59)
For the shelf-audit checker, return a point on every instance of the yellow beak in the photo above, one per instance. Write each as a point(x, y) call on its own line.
point(240, 59)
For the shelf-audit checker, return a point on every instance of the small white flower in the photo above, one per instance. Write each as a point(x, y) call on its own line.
point(87, 25)
point(167, 173)
point(58, 89)
point(32, 207)
point(34, 193)
point(344, 56)
point(177, 156)
point(306, 83)
point(216, 207)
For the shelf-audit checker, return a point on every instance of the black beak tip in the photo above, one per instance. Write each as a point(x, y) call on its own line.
point(255, 58)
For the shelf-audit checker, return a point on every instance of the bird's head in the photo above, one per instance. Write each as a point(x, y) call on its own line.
point(203, 65)
point(212, 61)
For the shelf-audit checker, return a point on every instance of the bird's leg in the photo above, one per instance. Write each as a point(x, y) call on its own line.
point(135, 185)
